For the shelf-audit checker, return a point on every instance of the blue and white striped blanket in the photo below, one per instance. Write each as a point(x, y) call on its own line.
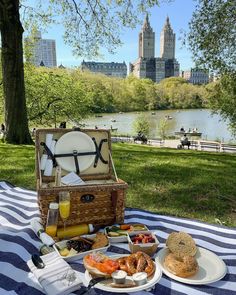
point(17, 242)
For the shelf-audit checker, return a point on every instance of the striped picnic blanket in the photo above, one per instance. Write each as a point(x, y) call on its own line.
point(18, 242)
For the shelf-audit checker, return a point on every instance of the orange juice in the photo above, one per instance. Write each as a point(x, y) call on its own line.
point(64, 209)
point(51, 230)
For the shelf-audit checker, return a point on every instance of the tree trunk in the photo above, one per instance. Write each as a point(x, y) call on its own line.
point(17, 130)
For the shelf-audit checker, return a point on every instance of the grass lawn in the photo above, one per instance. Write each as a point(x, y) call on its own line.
point(183, 183)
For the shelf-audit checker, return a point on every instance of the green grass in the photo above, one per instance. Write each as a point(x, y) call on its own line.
point(185, 183)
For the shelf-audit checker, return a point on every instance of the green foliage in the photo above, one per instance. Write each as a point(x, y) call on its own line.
point(141, 124)
point(221, 98)
point(161, 128)
point(175, 92)
point(88, 25)
point(212, 40)
point(1, 96)
point(53, 95)
point(212, 35)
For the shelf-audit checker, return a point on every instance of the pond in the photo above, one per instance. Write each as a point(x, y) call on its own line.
point(211, 126)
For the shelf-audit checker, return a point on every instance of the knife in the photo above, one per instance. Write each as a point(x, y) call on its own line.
point(91, 284)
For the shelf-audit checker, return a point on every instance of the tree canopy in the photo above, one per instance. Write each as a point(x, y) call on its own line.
point(88, 26)
point(212, 40)
point(213, 33)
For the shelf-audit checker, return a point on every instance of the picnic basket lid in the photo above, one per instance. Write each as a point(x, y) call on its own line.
point(93, 148)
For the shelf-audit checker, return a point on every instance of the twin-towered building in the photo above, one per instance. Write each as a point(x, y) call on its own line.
point(149, 66)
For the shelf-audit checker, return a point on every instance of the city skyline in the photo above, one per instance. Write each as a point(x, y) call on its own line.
point(179, 12)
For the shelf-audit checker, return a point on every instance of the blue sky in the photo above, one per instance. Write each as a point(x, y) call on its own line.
point(179, 12)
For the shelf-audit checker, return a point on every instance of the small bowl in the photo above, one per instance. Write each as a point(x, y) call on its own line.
point(148, 248)
point(140, 278)
point(137, 227)
point(119, 276)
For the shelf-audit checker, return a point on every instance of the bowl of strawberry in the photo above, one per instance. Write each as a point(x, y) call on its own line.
point(143, 241)
point(143, 238)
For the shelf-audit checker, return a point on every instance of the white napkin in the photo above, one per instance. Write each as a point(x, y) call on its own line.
point(48, 168)
point(57, 277)
point(52, 146)
point(72, 179)
point(48, 139)
point(43, 161)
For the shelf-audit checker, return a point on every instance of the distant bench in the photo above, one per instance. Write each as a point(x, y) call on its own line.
point(194, 144)
point(156, 141)
point(228, 147)
point(209, 145)
point(122, 139)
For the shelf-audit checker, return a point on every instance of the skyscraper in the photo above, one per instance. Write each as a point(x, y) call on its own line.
point(43, 51)
point(167, 41)
point(149, 66)
point(146, 41)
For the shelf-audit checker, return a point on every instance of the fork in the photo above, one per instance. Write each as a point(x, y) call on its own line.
point(91, 284)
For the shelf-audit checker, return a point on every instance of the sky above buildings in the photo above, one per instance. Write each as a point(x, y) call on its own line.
point(179, 12)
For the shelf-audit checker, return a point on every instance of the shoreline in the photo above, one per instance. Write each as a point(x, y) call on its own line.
point(173, 143)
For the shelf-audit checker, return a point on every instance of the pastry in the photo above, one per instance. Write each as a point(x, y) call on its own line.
point(100, 241)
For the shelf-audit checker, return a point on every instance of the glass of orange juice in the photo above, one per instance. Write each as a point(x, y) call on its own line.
point(64, 206)
point(52, 218)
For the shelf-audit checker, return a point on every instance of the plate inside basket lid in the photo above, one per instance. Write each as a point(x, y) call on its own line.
point(75, 141)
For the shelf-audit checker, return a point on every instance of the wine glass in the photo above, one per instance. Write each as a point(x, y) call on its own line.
point(64, 206)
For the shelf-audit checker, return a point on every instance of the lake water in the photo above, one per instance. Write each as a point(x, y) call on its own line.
point(211, 126)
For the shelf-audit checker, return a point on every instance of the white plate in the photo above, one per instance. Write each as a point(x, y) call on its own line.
point(79, 141)
point(211, 267)
point(78, 256)
point(150, 283)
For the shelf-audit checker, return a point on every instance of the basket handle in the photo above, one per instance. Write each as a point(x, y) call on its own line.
point(38, 169)
point(113, 166)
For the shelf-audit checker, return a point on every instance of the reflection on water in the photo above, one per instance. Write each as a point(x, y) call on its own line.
point(211, 126)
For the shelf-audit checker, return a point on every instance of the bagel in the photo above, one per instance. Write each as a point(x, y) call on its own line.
point(184, 267)
point(181, 244)
point(100, 265)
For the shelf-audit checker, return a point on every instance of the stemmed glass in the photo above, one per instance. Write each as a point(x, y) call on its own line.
point(64, 206)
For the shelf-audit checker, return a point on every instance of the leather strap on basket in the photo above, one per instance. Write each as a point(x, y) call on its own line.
point(76, 153)
point(49, 153)
point(98, 152)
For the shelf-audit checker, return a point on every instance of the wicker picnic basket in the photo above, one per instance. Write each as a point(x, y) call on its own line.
point(101, 199)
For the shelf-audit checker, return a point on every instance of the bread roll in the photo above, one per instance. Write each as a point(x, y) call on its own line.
point(183, 267)
point(181, 244)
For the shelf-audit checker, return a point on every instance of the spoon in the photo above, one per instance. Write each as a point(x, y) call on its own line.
point(37, 261)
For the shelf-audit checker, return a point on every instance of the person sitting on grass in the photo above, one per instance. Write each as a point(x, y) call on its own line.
point(184, 141)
